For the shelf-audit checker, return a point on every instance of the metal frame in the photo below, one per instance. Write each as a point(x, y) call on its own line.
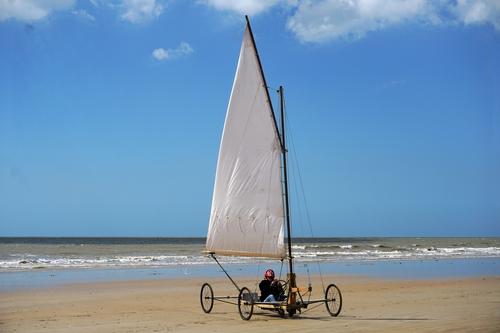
point(280, 307)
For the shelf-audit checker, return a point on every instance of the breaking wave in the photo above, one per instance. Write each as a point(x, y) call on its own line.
point(157, 254)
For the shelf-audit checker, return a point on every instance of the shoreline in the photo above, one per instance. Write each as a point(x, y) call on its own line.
point(172, 304)
point(387, 269)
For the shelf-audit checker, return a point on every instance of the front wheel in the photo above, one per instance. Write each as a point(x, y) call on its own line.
point(206, 298)
point(333, 300)
point(245, 304)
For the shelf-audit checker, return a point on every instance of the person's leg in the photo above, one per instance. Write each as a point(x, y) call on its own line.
point(270, 298)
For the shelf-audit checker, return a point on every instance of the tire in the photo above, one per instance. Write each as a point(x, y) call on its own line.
point(333, 300)
point(245, 304)
point(206, 298)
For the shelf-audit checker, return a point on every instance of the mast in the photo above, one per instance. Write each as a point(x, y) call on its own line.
point(292, 295)
point(285, 179)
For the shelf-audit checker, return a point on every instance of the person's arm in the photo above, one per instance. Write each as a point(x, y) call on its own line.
point(276, 288)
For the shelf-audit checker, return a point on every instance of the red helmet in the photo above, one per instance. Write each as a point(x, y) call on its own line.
point(269, 274)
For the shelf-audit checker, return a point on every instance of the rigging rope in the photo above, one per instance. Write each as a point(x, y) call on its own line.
point(295, 162)
point(258, 276)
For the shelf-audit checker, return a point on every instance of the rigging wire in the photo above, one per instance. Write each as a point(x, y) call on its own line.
point(256, 285)
point(295, 162)
point(299, 214)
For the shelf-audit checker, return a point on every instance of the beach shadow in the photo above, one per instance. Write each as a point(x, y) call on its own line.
point(384, 318)
point(219, 313)
point(265, 316)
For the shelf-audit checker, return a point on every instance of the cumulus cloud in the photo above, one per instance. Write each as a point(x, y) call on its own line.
point(31, 10)
point(166, 54)
point(324, 20)
point(478, 12)
point(352, 19)
point(248, 7)
point(313, 21)
point(134, 11)
point(138, 11)
point(160, 54)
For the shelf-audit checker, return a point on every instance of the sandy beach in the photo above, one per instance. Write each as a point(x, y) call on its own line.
point(172, 305)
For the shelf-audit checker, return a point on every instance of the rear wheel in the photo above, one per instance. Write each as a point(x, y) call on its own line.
point(245, 304)
point(333, 300)
point(206, 298)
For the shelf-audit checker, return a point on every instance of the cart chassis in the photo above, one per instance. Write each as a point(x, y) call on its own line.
point(247, 300)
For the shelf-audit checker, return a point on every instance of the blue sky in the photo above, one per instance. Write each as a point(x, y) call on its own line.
point(111, 113)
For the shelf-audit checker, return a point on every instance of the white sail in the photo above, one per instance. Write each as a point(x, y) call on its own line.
point(247, 207)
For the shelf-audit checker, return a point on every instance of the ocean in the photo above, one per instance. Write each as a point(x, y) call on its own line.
point(32, 262)
point(63, 253)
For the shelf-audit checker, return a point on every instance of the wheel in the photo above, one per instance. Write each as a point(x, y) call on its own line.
point(245, 304)
point(206, 298)
point(333, 300)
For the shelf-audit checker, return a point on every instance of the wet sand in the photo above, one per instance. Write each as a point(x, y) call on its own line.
point(172, 305)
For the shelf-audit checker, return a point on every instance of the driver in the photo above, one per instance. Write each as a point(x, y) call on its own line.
point(270, 289)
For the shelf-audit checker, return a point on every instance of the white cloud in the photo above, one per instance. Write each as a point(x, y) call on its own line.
point(248, 7)
point(138, 11)
point(324, 20)
point(478, 12)
point(83, 14)
point(163, 54)
point(352, 19)
point(184, 48)
point(310, 20)
point(31, 10)
point(160, 54)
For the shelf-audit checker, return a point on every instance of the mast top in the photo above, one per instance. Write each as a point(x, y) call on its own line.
point(265, 83)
